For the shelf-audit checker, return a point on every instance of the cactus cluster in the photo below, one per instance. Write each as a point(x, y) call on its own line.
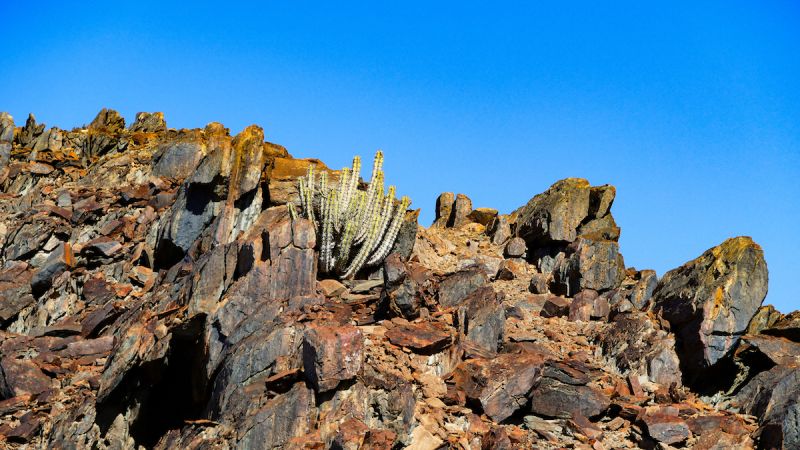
point(356, 228)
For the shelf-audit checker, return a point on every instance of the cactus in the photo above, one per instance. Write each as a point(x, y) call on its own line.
point(357, 228)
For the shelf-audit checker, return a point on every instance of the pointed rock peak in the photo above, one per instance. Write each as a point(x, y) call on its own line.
point(108, 120)
point(149, 122)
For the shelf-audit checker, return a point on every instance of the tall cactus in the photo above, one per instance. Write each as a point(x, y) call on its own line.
point(357, 228)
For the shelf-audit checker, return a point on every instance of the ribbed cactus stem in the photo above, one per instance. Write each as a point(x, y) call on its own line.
point(391, 233)
point(345, 245)
point(363, 253)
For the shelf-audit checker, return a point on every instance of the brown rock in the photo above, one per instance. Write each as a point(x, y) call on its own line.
point(425, 337)
point(556, 306)
point(21, 377)
point(444, 208)
point(501, 384)
point(461, 209)
point(331, 355)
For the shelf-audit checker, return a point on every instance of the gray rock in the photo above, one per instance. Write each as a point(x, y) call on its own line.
point(500, 230)
point(709, 301)
point(593, 264)
point(456, 287)
point(516, 248)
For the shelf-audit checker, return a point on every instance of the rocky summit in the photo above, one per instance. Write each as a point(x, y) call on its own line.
point(158, 289)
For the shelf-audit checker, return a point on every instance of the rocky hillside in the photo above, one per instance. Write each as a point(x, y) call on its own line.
point(156, 293)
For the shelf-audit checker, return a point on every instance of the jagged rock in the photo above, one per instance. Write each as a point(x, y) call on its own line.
point(592, 264)
point(149, 123)
point(177, 158)
point(562, 392)
point(57, 262)
point(501, 385)
point(331, 355)
point(636, 345)
point(456, 287)
point(709, 301)
point(641, 291)
point(404, 299)
point(481, 317)
point(772, 397)
point(765, 317)
point(555, 214)
point(588, 305)
point(500, 229)
point(788, 326)
point(108, 120)
point(515, 248)
point(511, 269)
point(192, 316)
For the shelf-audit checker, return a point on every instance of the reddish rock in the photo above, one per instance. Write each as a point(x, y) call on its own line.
point(556, 306)
point(424, 337)
point(331, 355)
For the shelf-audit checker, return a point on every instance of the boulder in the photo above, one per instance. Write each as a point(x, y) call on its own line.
point(591, 264)
point(709, 301)
point(515, 248)
point(424, 337)
point(563, 392)
point(555, 214)
point(502, 384)
point(331, 355)
point(457, 286)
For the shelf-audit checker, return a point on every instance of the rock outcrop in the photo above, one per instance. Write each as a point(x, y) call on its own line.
point(709, 301)
point(156, 292)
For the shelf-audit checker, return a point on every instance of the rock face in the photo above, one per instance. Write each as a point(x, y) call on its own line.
point(155, 292)
point(709, 301)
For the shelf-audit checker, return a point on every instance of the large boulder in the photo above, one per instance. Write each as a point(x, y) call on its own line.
point(709, 301)
point(555, 214)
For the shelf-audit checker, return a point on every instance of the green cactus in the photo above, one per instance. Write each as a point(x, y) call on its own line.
point(356, 228)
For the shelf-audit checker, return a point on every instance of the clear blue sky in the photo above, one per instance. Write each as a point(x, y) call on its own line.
point(692, 109)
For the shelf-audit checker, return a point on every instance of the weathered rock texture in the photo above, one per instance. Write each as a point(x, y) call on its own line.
point(155, 293)
point(709, 301)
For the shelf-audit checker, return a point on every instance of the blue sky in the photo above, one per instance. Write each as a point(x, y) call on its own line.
point(691, 109)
